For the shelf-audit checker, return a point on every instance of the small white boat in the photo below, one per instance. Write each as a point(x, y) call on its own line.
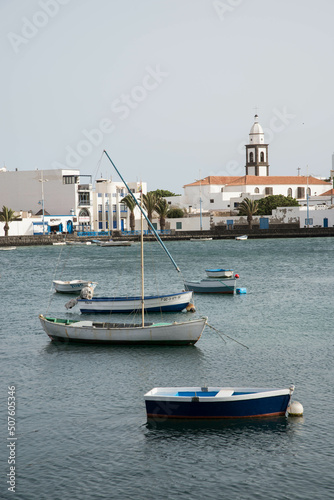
point(216, 402)
point(112, 243)
point(243, 237)
point(200, 239)
point(219, 273)
point(208, 285)
point(59, 243)
point(66, 330)
point(7, 248)
point(80, 243)
point(73, 286)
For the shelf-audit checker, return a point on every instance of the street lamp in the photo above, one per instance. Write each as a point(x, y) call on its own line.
point(42, 181)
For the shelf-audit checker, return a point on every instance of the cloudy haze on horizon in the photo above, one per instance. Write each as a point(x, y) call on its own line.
point(168, 87)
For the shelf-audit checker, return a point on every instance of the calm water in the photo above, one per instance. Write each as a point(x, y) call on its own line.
point(81, 421)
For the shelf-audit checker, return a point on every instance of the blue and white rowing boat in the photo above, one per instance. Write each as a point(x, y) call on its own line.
point(150, 303)
point(219, 273)
point(216, 402)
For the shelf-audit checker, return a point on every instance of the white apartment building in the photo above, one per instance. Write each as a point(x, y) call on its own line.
point(66, 194)
point(109, 194)
point(55, 192)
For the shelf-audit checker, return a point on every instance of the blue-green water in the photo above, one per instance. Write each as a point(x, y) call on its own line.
point(80, 418)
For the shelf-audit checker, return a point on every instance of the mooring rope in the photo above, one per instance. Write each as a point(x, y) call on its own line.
point(231, 338)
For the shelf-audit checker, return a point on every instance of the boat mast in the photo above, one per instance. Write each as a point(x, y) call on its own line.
point(142, 259)
point(142, 211)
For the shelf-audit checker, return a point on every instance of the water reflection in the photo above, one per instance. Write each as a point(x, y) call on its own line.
point(159, 428)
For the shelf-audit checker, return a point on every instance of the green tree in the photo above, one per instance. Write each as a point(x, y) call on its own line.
point(175, 213)
point(7, 216)
point(149, 201)
point(269, 203)
point(249, 208)
point(163, 193)
point(131, 204)
point(162, 209)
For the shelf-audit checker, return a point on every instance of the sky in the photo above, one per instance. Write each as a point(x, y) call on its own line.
point(169, 88)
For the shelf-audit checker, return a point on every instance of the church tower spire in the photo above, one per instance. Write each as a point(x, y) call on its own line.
point(257, 151)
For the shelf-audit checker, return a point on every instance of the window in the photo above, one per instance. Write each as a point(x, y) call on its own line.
point(179, 225)
point(212, 201)
point(290, 192)
point(84, 199)
point(309, 191)
point(236, 204)
point(256, 190)
point(300, 192)
point(70, 179)
point(262, 157)
point(268, 190)
point(222, 190)
point(251, 157)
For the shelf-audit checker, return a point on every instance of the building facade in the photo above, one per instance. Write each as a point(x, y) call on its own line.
point(109, 211)
point(226, 192)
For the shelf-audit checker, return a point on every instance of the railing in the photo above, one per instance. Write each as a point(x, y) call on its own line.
point(123, 233)
point(146, 231)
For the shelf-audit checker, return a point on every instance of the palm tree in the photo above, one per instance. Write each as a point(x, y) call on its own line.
point(131, 204)
point(249, 208)
point(150, 201)
point(162, 209)
point(7, 216)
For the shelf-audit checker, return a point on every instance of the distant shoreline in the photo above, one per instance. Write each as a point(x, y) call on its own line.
point(217, 234)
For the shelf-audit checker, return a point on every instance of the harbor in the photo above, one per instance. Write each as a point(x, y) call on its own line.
point(78, 401)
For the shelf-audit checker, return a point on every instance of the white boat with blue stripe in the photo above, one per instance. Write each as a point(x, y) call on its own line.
point(152, 303)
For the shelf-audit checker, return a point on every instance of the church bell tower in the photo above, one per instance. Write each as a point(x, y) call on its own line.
point(257, 151)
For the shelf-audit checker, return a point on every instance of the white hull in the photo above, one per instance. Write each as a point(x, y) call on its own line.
point(155, 303)
point(110, 243)
point(7, 248)
point(184, 333)
point(244, 237)
point(227, 286)
point(72, 286)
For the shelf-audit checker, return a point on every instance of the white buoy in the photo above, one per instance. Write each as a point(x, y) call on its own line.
point(295, 409)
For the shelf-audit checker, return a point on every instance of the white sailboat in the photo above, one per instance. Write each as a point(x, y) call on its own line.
point(173, 333)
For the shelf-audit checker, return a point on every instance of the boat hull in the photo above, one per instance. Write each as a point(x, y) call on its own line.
point(74, 286)
point(236, 403)
point(154, 303)
point(227, 286)
point(186, 333)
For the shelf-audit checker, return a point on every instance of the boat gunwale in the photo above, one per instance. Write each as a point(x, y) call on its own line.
point(92, 324)
point(253, 393)
point(126, 299)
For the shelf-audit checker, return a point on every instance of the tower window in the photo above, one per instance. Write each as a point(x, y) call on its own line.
point(262, 157)
point(251, 157)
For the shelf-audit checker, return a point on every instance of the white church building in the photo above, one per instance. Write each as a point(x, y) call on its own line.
point(224, 193)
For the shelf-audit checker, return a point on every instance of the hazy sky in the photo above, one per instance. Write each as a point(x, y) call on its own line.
point(168, 87)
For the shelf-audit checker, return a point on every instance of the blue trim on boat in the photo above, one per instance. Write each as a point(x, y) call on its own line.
point(166, 308)
point(146, 297)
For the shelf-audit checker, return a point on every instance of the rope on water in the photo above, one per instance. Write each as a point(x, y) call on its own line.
point(231, 338)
